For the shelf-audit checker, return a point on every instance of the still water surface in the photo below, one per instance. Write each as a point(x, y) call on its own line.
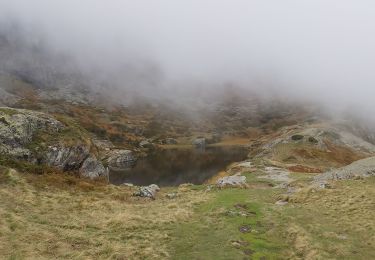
point(175, 166)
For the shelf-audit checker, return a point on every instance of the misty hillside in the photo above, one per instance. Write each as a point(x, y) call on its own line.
point(195, 130)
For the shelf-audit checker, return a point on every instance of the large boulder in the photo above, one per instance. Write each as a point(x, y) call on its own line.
point(199, 142)
point(232, 181)
point(147, 191)
point(66, 158)
point(121, 159)
point(92, 168)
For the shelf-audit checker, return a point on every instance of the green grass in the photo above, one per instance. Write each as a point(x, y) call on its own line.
point(215, 229)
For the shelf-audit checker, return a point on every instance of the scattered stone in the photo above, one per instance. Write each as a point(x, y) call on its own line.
point(236, 244)
point(239, 243)
point(232, 181)
point(281, 202)
point(172, 195)
point(170, 141)
point(147, 191)
point(128, 184)
point(324, 185)
point(245, 229)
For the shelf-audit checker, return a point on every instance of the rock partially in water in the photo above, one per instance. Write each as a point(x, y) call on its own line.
point(232, 181)
point(92, 168)
point(199, 142)
point(121, 159)
point(148, 191)
point(146, 144)
point(170, 141)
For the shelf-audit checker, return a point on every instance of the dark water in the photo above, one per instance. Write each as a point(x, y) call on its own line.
point(176, 166)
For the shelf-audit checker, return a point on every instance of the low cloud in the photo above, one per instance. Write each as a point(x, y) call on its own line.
point(314, 50)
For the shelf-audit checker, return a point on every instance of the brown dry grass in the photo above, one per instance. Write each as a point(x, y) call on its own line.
point(337, 223)
point(44, 217)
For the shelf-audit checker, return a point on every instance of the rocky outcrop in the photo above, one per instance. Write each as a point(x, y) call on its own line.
point(121, 159)
point(19, 133)
point(92, 168)
point(359, 169)
point(18, 127)
point(66, 158)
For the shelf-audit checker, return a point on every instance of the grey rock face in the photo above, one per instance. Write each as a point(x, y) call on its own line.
point(66, 158)
point(148, 191)
point(232, 181)
point(92, 168)
point(121, 159)
point(18, 129)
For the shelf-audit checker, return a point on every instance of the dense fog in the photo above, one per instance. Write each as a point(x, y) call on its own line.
point(315, 50)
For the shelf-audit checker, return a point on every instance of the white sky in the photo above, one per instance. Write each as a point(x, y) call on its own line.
point(323, 49)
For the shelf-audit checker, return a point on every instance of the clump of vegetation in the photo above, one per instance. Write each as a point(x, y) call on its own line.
point(8, 111)
point(116, 138)
point(97, 130)
point(297, 137)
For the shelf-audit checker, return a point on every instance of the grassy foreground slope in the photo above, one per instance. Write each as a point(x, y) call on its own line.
point(60, 216)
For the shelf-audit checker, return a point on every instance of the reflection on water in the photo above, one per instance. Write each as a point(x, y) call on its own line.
point(176, 166)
